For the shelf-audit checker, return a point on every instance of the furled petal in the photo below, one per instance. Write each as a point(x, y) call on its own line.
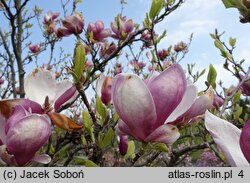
point(39, 84)
point(167, 90)
point(42, 158)
point(134, 104)
point(27, 136)
point(199, 107)
point(245, 140)
point(64, 122)
point(186, 102)
point(227, 137)
point(167, 134)
point(7, 106)
point(66, 98)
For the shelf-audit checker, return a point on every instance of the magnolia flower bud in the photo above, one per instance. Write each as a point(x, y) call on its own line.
point(123, 145)
point(245, 87)
point(117, 69)
point(103, 88)
point(217, 102)
point(34, 48)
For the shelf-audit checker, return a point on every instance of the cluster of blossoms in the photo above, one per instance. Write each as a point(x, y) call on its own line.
point(25, 124)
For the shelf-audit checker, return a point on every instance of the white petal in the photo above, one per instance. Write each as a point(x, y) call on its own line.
point(99, 84)
point(186, 102)
point(39, 84)
point(227, 137)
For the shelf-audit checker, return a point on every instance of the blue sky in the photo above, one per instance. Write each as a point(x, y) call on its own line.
point(199, 17)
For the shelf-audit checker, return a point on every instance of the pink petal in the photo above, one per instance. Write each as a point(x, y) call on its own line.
point(167, 90)
point(199, 107)
point(151, 77)
point(186, 102)
point(245, 140)
point(227, 137)
point(28, 136)
point(122, 129)
point(167, 134)
point(66, 98)
point(134, 104)
point(18, 113)
point(99, 84)
point(42, 158)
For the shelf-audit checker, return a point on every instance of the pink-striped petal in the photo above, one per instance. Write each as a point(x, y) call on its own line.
point(66, 98)
point(167, 90)
point(227, 137)
point(134, 104)
point(27, 136)
point(245, 140)
point(185, 104)
point(167, 134)
point(199, 107)
point(151, 77)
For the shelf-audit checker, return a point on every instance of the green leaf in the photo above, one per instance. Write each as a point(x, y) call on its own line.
point(211, 77)
point(236, 97)
point(156, 7)
point(79, 60)
point(202, 72)
point(232, 41)
point(100, 108)
point(131, 150)
point(89, 163)
point(87, 121)
point(230, 3)
point(161, 147)
point(219, 45)
point(161, 36)
point(107, 138)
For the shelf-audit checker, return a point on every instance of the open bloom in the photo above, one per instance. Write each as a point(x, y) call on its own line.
point(145, 107)
point(122, 27)
point(71, 25)
point(98, 32)
point(42, 88)
point(103, 88)
point(50, 21)
point(231, 141)
point(22, 133)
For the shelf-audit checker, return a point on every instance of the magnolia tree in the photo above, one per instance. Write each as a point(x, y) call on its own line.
point(153, 115)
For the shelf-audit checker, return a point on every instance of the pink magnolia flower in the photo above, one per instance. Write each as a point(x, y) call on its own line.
point(97, 31)
point(122, 28)
point(181, 46)
point(245, 140)
point(146, 108)
point(50, 21)
point(245, 87)
point(22, 134)
point(136, 65)
point(162, 54)
point(35, 48)
point(71, 25)
point(231, 141)
point(107, 49)
point(103, 88)
point(148, 38)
